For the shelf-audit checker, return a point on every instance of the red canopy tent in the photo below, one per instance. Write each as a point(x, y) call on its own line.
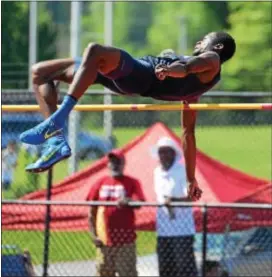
point(219, 182)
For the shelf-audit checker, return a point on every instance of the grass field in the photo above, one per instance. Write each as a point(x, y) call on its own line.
point(68, 246)
point(244, 148)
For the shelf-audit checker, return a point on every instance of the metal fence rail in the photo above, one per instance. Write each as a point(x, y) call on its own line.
point(138, 204)
point(64, 253)
point(245, 94)
point(71, 252)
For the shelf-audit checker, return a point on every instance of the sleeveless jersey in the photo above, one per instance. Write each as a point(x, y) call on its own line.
point(175, 89)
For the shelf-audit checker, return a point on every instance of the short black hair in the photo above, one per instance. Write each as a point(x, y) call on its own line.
point(229, 45)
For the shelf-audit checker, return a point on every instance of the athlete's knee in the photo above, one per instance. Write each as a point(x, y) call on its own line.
point(93, 51)
point(37, 69)
point(36, 72)
point(94, 47)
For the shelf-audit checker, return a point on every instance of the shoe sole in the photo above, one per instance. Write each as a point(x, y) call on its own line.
point(41, 170)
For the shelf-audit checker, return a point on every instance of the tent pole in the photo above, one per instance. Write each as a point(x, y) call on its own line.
point(47, 225)
point(204, 240)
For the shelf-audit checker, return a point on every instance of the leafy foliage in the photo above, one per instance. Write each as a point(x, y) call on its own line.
point(251, 25)
point(143, 28)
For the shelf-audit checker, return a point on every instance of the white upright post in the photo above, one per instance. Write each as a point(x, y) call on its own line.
point(32, 48)
point(184, 36)
point(183, 40)
point(108, 21)
point(74, 118)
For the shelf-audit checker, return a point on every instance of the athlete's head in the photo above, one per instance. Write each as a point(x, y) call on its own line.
point(220, 42)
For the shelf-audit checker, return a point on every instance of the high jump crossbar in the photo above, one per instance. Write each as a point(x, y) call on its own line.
point(148, 107)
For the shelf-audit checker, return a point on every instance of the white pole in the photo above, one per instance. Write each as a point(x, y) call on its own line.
point(74, 118)
point(183, 40)
point(32, 48)
point(108, 21)
point(184, 36)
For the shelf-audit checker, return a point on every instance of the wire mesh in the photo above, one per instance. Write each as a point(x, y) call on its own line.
point(241, 139)
point(220, 134)
point(235, 250)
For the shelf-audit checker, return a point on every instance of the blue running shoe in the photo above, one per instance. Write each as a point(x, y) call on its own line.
point(54, 153)
point(40, 133)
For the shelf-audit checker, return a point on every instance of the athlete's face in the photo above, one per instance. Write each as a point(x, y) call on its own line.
point(208, 43)
point(203, 45)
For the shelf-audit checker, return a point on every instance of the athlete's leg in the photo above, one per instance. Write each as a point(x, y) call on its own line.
point(111, 62)
point(96, 58)
point(43, 76)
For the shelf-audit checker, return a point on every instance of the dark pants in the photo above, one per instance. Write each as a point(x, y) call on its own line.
point(132, 76)
point(176, 256)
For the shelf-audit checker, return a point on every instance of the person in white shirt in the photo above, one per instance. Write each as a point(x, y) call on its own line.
point(9, 162)
point(175, 226)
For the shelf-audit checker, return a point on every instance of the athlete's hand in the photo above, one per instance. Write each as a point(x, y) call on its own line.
point(174, 70)
point(161, 71)
point(194, 192)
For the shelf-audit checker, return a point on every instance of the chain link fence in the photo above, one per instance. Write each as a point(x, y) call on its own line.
point(235, 251)
point(241, 139)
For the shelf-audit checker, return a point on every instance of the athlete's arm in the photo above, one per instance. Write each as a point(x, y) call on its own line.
point(189, 143)
point(189, 151)
point(207, 62)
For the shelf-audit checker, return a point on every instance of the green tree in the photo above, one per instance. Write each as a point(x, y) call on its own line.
point(165, 31)
point(219, 10)
point(131, 21)
point(251, 67)
point(92, 23)
point(14, 23)
point(47, 34)
point(148, 27)
point(15, 30)
point(23, 183)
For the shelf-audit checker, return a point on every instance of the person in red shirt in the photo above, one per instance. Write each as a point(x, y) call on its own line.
point(113, 227)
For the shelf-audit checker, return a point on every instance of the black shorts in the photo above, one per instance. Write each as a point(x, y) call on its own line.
point(132, 76)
